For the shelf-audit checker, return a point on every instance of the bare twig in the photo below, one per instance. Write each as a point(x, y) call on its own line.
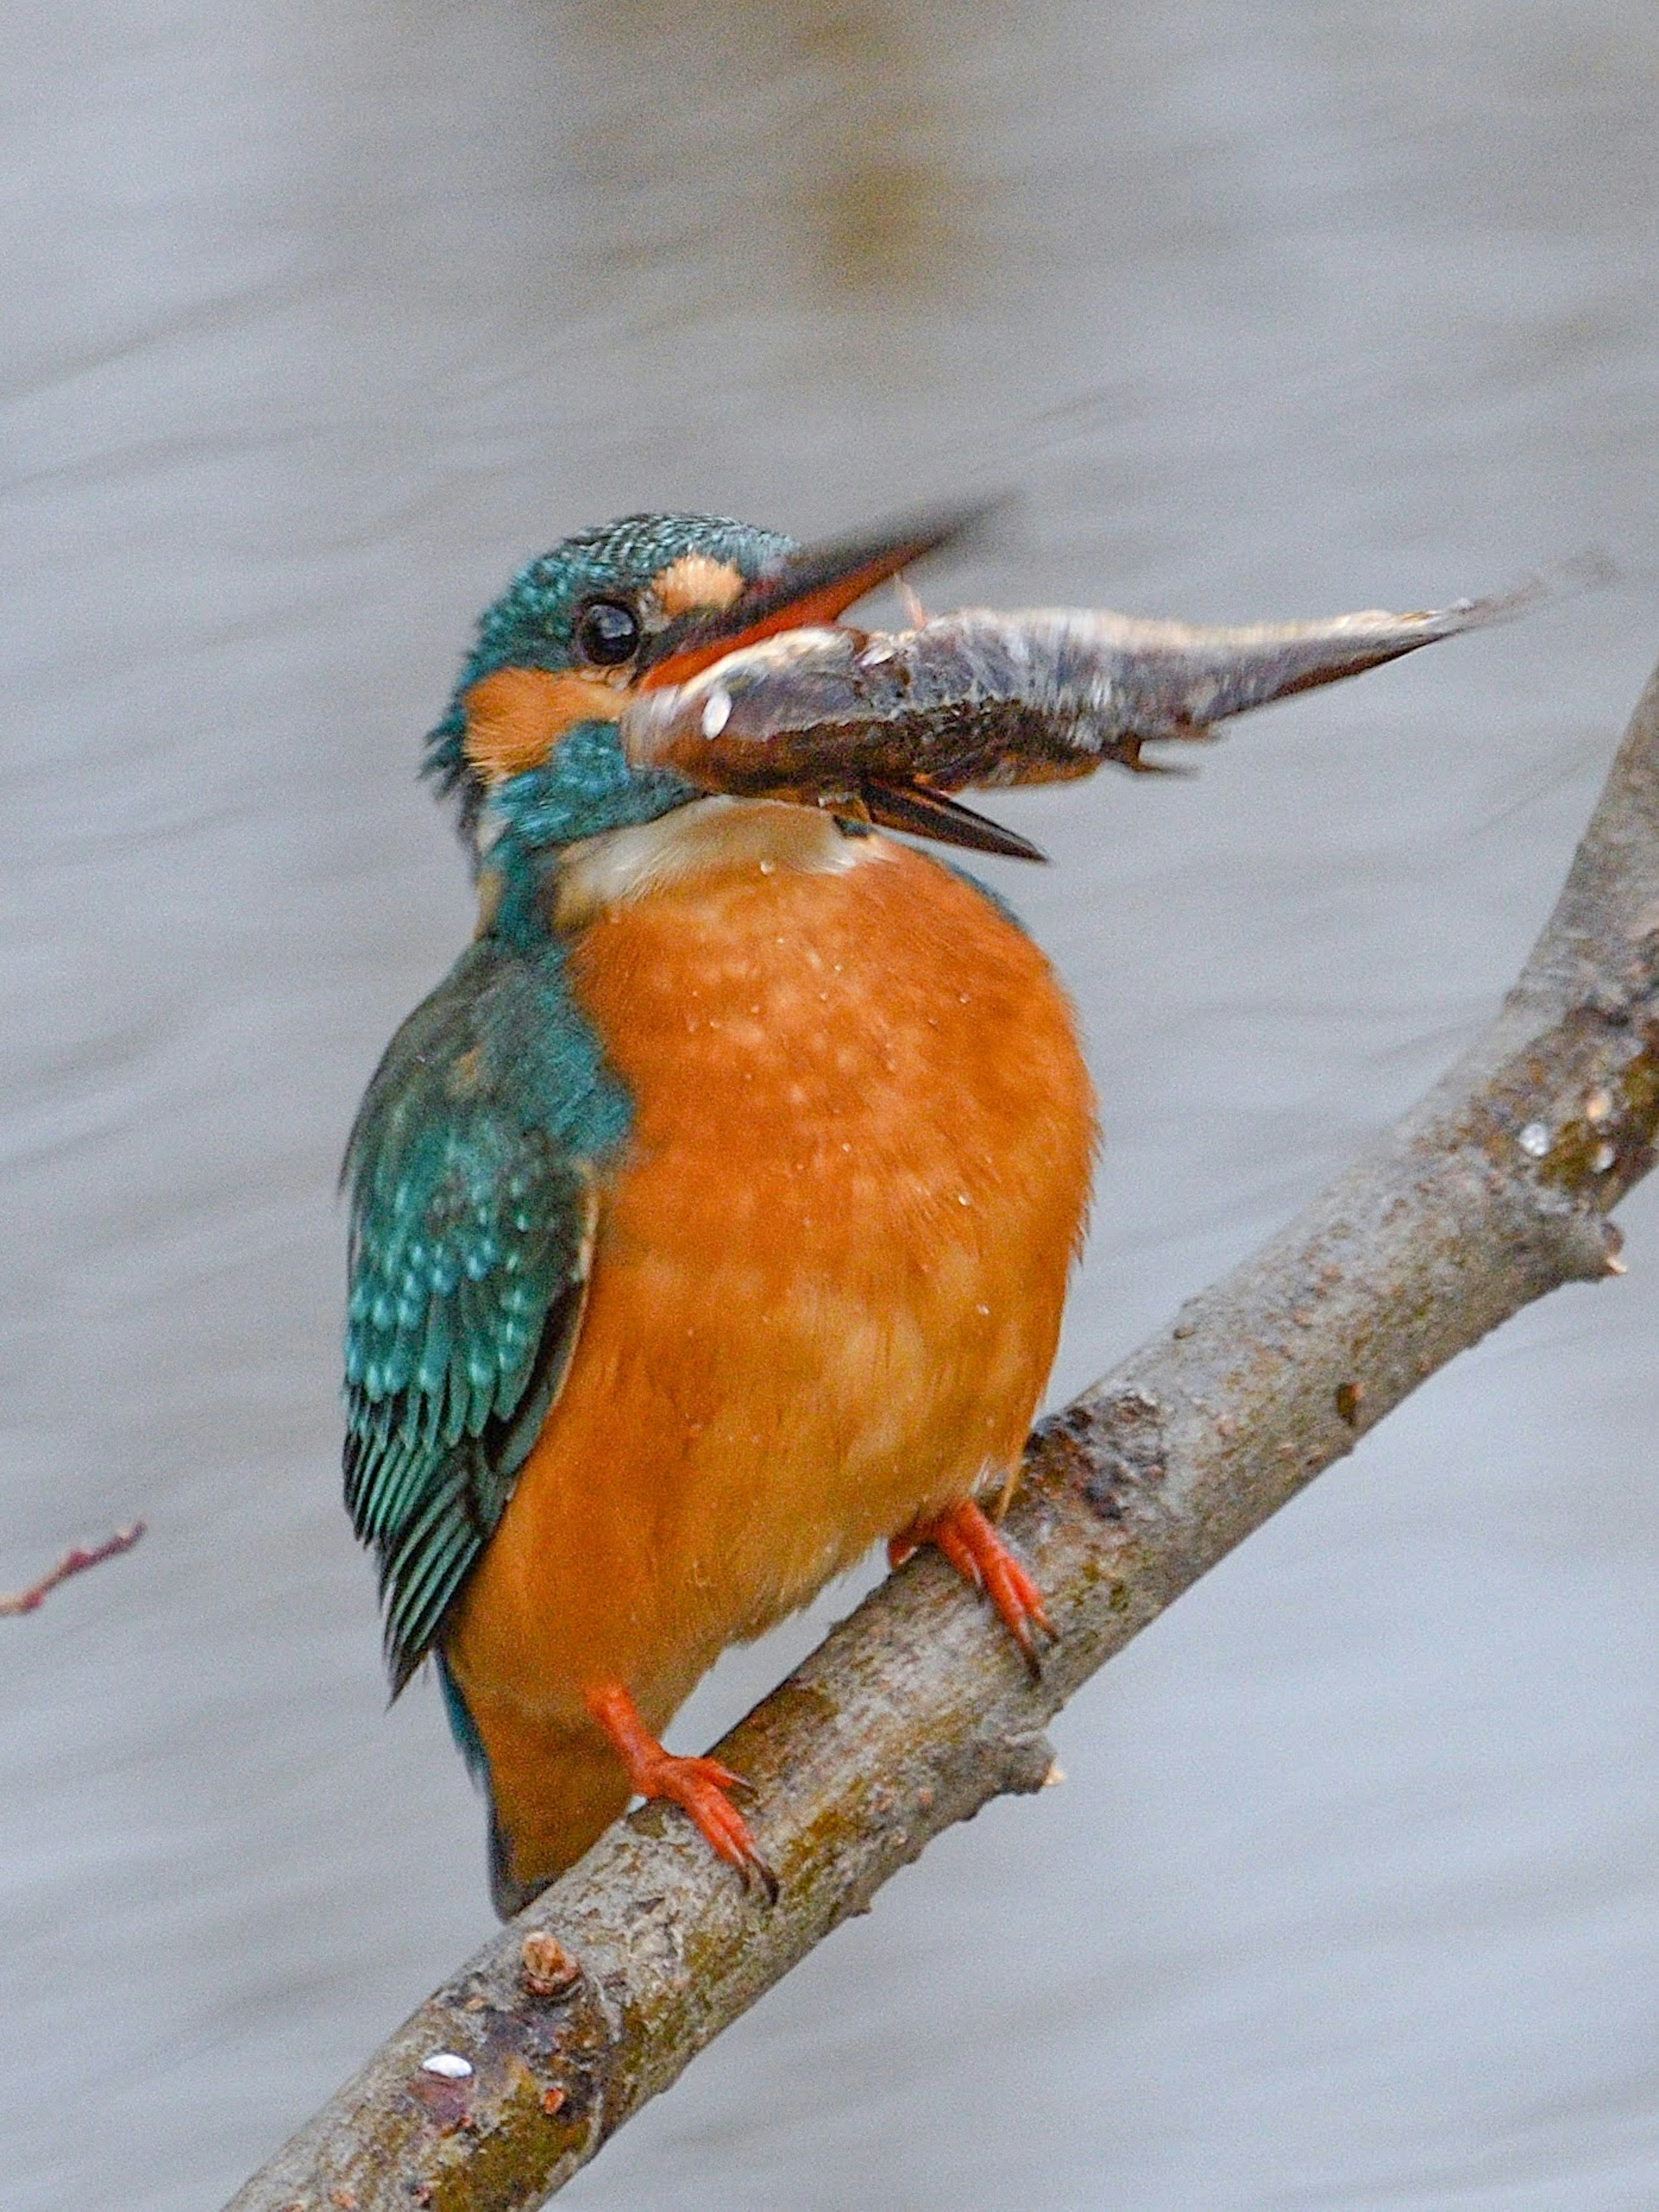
point(75, 1562)
point(917, 1710)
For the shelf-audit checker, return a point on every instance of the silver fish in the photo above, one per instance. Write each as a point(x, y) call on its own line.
point(885, 725)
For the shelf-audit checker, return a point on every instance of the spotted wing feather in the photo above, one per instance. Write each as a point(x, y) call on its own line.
point(471, 1170)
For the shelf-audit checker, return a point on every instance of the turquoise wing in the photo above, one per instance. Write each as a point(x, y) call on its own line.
point(473, 1176)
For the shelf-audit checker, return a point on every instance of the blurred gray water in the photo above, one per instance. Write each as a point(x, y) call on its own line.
point(317, 321)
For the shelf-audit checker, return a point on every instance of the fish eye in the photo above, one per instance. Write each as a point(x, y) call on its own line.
point(607, 633)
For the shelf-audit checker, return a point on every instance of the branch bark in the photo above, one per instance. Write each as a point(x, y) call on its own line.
point(917, 1710)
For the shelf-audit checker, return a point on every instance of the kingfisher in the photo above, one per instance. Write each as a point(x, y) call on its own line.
point(710, 1222)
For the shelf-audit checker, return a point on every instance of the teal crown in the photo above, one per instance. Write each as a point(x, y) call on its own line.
point(531, 625)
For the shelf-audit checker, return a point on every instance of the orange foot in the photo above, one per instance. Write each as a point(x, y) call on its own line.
point(697, 1786)
point(979, 1555)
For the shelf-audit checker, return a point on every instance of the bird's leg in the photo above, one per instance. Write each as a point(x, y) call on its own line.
point(697, 1786)
point(979, 1555)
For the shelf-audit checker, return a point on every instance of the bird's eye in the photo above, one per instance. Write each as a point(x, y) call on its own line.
point(607, 633)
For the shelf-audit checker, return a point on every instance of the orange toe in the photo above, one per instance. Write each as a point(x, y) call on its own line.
point(698, 1786)
point(981, 1557)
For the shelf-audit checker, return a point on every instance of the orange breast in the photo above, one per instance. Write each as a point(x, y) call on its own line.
point(828, 1284)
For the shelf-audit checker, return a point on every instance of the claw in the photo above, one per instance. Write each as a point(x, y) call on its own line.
point(698, 1786)
point(979, 1555)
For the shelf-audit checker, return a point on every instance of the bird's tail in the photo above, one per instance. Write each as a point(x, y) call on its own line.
point(553, 1791)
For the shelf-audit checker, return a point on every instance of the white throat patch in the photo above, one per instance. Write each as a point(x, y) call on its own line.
point(707, 836)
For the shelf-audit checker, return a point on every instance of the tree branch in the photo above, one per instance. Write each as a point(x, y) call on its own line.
point(74, 1562)
point(917, 1710)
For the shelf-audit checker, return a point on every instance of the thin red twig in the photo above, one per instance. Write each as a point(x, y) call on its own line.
point(74, 1562)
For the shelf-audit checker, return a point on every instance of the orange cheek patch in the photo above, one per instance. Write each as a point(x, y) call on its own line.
point(515, 716)
point(695, 583)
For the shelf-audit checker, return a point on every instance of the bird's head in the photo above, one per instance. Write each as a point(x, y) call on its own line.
point(649, 599)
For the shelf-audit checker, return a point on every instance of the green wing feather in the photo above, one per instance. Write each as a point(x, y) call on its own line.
point(473, 1174)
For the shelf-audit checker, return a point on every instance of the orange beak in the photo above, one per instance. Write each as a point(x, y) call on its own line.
point(813, 587)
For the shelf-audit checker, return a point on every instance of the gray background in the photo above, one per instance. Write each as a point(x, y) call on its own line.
point(319, 320)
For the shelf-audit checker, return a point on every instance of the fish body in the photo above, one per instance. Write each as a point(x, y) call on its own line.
point(980, 699)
